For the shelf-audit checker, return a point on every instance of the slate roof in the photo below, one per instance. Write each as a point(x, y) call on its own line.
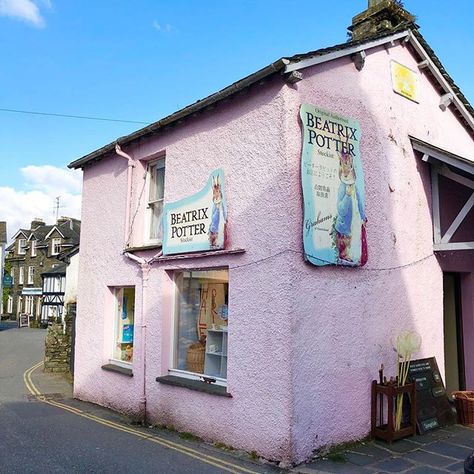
point(276, 67)
point(70, 229)
point(58, 269)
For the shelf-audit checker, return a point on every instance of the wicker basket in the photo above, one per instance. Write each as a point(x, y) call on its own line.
point(195, 358)
point(465, 407)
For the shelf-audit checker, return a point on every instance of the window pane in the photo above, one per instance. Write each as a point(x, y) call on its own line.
point(125, 316)
point(157, 182)
point(201, 322)
point(156, 224)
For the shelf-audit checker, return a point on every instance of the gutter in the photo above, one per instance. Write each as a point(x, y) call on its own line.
point(274, 67)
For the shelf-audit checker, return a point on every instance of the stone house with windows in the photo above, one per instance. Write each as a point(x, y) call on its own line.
point(200, 304)
point(3, 242)
point(36, 251)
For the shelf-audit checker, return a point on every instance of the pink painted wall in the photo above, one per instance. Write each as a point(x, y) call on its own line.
point(344, 318)
point(304, 342)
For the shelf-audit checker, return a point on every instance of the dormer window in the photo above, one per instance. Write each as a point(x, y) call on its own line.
point(21, 246)
point(55, 246)
point(33, 248)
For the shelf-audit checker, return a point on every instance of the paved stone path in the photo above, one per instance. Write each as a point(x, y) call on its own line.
point(443, 450)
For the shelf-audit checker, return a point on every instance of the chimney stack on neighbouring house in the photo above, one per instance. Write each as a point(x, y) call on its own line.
point(37, 222)
point(380, 16)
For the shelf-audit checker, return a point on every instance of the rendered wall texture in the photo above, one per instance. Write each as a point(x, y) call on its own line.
point(305, 342)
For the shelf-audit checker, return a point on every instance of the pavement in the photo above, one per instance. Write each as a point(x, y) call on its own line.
point(39, 415)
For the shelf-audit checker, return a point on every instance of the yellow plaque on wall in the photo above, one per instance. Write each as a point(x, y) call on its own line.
point(405, 81)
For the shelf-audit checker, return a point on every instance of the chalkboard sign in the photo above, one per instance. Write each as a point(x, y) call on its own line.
point(433, 409)
point(23, 321)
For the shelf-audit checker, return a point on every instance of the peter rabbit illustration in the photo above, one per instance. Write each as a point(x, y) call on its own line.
point(217, 208)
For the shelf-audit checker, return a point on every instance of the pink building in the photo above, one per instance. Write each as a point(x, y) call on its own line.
point(289, 348)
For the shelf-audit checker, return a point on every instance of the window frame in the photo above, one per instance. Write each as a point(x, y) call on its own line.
point(21, 276)
point(12, 274)
point(54, 241)
point(21, 248)
point(10, 304)
point(31, 275)
point(116, 315)
point(33, 248)
point(174, 327)
point(160, 163)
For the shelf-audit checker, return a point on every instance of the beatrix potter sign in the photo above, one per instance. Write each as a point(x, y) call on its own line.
point(333, 189)
point(198, 222)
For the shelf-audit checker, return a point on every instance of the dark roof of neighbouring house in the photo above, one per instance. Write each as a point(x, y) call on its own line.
point(277, 67)
point(58, 269)
point(70, 228)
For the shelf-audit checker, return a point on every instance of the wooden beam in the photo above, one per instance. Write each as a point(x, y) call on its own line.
point(435, 207)
point(458, 220)
point(454, 246)
point(312, 61)
point(447, 173)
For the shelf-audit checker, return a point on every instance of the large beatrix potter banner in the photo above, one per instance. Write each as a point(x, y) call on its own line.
point(333, 189)
point(197, 223)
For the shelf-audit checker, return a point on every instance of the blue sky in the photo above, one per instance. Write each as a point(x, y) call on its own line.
point(141, 60)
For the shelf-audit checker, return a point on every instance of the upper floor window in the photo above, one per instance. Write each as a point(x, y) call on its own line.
point(55, 246)
point(21, 276)
point(21, 246)
point(31, 275)
point(156, 188)
point(33, 248)
point(12, 274)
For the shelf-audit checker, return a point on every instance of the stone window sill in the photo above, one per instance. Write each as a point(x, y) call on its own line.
point(197, 385)
point(118, 369)
point(142, 248)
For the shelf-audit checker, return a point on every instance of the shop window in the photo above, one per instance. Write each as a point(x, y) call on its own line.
point(156, 188)
point(21, 246)
point(200, 325)
point(55, 246)
point(124, 323)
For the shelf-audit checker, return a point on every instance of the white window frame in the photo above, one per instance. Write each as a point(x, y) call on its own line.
point(31, 275)
point(10, 304)
point(33, 248)
point(174, 329)
point(160, 163)
point(116, 314)
point(21, 246)
point(21, 276)
point(55, 242)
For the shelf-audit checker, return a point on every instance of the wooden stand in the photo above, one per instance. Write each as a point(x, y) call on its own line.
point(389, 392)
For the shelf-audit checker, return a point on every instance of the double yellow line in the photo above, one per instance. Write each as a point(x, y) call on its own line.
point(213, 461)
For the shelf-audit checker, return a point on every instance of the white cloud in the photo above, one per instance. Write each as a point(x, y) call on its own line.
point(25, 10)
point(164, 28)
point(18, 207)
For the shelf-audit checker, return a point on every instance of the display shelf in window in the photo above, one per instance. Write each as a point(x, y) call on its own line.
point(215, 362)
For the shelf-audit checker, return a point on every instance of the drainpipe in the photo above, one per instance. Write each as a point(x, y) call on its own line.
point(131, 165)
point(145, 266)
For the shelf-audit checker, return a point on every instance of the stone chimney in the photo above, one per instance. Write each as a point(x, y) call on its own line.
point(380, 16)
point(37, 222)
